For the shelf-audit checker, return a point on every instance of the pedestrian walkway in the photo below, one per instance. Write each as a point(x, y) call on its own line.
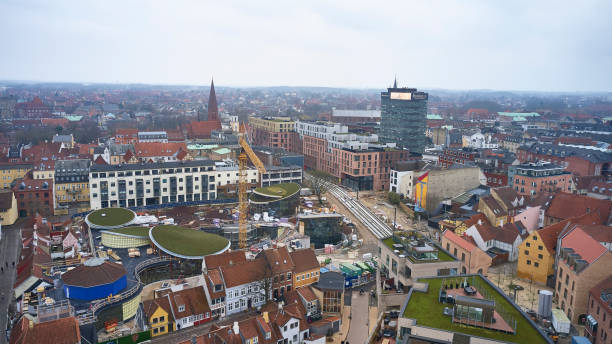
point(358, 331)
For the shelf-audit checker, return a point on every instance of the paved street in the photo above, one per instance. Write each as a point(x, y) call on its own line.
point(358, 331)
point(9, 249)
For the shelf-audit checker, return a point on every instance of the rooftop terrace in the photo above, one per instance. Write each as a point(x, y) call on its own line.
point(416, 249)
point(427, 310)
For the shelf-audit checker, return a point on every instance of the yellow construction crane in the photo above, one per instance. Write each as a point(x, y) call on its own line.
point(246, 154)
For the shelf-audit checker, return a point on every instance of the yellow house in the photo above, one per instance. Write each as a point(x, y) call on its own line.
point(159, 316)
point(72, 185)
point(537, 253)
point(306, 271)
point(9, 173)
point(8, 208)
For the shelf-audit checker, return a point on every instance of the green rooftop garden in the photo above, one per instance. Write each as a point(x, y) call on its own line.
point(135, 231)
point(425, 308)
point(111, 217)
point(442, 256)
point(187, 242)
point(278, 190)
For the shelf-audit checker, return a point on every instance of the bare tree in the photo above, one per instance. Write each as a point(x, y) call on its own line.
point(318, 184)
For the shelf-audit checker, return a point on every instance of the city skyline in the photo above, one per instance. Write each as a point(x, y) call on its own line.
point(447, 45)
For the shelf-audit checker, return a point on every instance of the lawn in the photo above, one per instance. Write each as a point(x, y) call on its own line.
point(135, 231)
point(187, 242)
point(111, 216)
point(425, 308)
point(279, 190)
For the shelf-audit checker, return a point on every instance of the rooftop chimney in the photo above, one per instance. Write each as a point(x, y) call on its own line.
point(236, 328)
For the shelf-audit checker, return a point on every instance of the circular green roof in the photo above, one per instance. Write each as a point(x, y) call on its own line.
point(278, 190)
point(110, 218)
point(187, 243)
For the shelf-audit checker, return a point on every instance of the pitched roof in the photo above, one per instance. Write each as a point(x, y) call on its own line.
point(487, 232)
point(193, 300)
point(278, 259)
point(459, 241)
point(60, 331)
point(550, 234)
point(155, 149)
point(150, 306)
point(225, 258)
point(493, 205)
point(247, 272)
point(565, 206)
point(304, 260)
point(588, 248)
point(100, 160)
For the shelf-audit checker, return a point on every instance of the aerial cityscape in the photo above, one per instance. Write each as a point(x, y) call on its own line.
point(203, 173)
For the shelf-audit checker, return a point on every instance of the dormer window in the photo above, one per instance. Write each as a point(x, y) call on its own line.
point(181, 308)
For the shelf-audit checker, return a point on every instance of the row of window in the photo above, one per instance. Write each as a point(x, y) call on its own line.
point(305, 276)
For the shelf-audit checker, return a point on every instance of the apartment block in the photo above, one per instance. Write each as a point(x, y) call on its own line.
point(276, 132)
point(535, 178)
point(357, 160)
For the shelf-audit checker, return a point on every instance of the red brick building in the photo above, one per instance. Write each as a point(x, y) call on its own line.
point(34, 196)
point(535, 178)
point(274, 132)
point(579, 161)
point(202, 129)
point(33, 109)
point(456, 156)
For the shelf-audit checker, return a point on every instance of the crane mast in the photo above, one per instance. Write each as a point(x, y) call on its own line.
point(246, 154)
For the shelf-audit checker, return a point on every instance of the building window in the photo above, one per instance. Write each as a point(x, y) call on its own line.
point(528, 262)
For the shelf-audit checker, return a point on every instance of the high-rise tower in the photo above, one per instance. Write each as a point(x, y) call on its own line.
point(404, 117)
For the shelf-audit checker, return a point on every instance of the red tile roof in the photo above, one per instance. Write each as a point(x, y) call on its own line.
point(565, 206)
point(459, 241)
point(304, 260)
point(225, 258)
point(202, 129)
point(60, 331)
point(588, 248)
point(278, 259)
point(158, 149)
point(249, 271)
point(605, 285)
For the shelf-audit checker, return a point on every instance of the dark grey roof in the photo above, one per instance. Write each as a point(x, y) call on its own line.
point(172, 164)
point(13, 166)
point(565, 151)
point(72, 167)
point(331, 280)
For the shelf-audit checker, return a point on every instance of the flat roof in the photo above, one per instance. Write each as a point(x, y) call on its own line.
point(417, 301)
point(130, 167)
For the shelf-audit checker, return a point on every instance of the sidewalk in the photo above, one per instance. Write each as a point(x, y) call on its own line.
point(344, 330)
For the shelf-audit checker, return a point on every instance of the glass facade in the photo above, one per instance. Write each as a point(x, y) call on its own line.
point(323, 230)
point(404, 118)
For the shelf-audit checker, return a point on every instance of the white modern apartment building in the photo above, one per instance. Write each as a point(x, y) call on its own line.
point(132, 185)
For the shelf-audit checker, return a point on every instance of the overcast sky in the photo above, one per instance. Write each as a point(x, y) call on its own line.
point(505, 45)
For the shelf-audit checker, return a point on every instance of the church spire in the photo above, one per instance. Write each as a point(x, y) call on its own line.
point(395, 82)
point(213, 110)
